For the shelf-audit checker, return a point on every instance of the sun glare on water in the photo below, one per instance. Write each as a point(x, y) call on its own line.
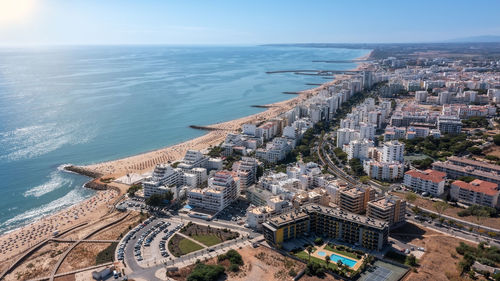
point(16, 11)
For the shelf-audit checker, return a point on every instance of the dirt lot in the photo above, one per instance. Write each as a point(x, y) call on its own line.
point(440, 259)
point(82, 256)
point(39, 264)
point(494, 150)
point(259, 264)
point(451, 211)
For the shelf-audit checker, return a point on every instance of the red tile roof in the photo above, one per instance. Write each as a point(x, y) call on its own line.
point(428, 175)
point(480, 186)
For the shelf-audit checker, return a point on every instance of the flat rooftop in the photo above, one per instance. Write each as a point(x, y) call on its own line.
point(347, 216)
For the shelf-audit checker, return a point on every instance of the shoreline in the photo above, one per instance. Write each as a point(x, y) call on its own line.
point(143, 162)
point(215, 134)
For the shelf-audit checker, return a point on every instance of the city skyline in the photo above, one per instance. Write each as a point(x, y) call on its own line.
point(55, 22)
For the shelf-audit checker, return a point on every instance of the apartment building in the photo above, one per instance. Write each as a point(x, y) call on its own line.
point(455, 171)
point(348, 227)
point(478, 165)
point(387, 171)
point(393, 151)
point(389, 209)
point(449, 124)
point(355, 200)
point(430, 181)
point(246, 170)
point(477, 192)
point(222, 190)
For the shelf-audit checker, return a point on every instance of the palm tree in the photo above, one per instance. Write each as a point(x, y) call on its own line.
point(327, 260)
point(309, 251)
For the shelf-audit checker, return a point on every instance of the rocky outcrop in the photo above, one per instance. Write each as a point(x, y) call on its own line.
point(82, 171)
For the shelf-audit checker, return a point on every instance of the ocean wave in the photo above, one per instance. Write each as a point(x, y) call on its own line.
point(34, 141)
point(71, 198)
point(56, 180)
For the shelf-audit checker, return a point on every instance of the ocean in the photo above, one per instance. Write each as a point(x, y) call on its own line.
point(88, 104)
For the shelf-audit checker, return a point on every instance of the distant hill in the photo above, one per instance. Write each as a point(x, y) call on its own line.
point(473, 39)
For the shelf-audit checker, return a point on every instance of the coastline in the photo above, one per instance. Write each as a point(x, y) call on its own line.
point(97, 205)
point(216, 133)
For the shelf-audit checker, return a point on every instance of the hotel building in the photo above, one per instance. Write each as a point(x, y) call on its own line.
point(350, 228)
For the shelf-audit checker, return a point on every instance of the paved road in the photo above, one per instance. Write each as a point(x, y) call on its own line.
point(472, 237)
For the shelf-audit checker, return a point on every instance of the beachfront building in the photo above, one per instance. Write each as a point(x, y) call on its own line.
point(344, 226)
point(222, 190)
point(355, 200)
point(430, 181)
point(193, 159)
point(477, 192)
point(389, 209)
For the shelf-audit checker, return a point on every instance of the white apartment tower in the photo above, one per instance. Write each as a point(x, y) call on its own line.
point(393, 151)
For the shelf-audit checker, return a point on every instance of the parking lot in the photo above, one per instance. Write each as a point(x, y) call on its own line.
point(235, 212)
point(146, 242)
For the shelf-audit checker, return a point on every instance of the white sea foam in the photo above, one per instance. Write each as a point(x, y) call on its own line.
point(32, 215)
point(56, 180)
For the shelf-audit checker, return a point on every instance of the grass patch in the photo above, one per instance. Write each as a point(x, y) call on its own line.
point(305, 257)
point(187, 246)
point(106, 255)
point(344, 253)
point(207, 239)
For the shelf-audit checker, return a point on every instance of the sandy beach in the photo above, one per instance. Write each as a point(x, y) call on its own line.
point(147, 161)
point(16, 242)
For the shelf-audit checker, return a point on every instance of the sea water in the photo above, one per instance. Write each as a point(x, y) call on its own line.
point(87, 104)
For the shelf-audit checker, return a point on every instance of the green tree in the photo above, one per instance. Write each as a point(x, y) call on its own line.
point(440, 207)
point(309, 250)
point(327, 260)
point(496, 139)
point(410, 197)
point(411, 260)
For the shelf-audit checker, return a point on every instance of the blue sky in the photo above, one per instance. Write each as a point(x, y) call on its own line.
point(25, 22)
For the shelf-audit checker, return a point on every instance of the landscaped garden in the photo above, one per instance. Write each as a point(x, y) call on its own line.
point(339, 259)
point(207, 235)
point(179, 246)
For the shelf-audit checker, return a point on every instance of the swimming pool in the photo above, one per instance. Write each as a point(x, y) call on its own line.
point(335, 258)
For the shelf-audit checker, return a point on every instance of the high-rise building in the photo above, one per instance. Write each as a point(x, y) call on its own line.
point(393, 151)
point(359, 149)
point(389, 209)
point(246, 170)
point(366, 131)
point(449, 125)
point(345, 135)
point(355, 200)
